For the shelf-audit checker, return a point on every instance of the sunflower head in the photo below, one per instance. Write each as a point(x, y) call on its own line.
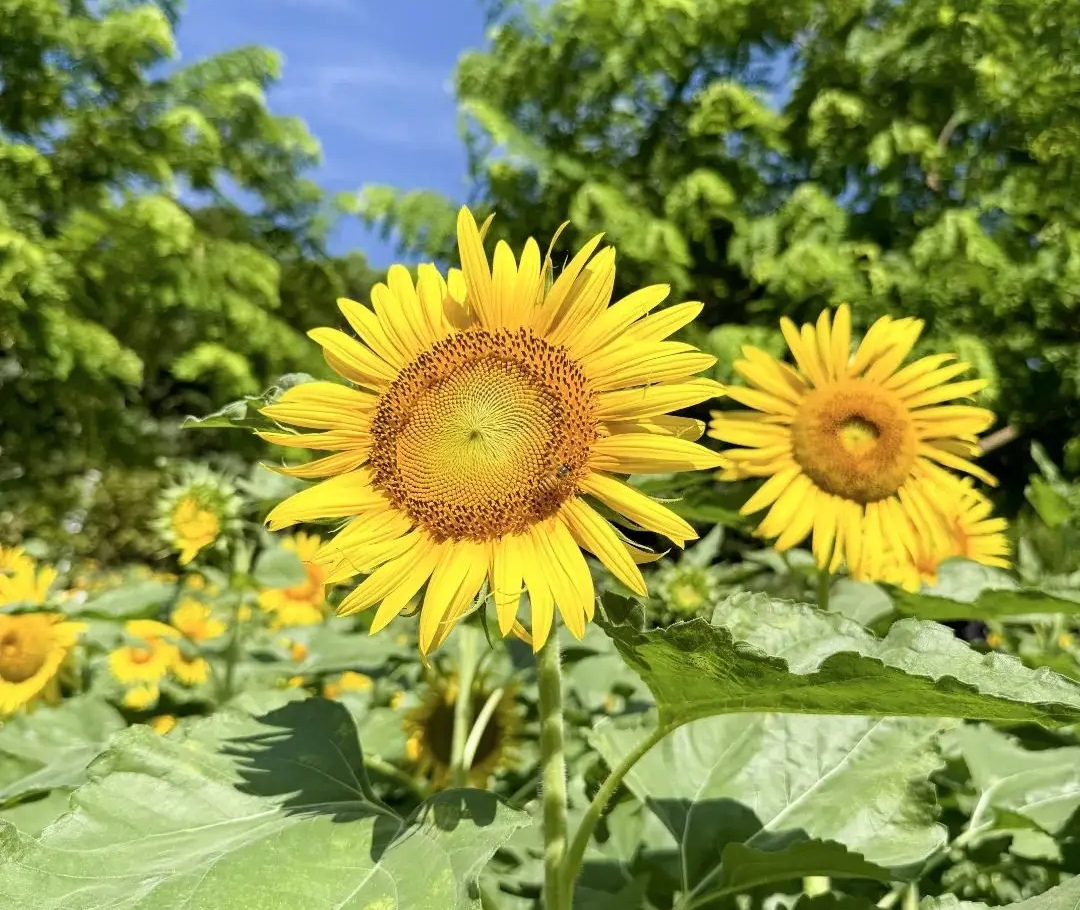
point(197, 512)
point(144, 661)
point(196, 622)
point(430, 731)
point(489, 412)
point(141, 697)
point(190, 670)
point(22, 580)
point(685, 589)
point(33, 647)
point(303, 604)
point(856, 449)
point(349, 681)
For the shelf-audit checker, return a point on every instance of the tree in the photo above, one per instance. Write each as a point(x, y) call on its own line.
point(134, 287)
point(915, 158)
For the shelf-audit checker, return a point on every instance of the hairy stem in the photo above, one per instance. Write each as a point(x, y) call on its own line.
point(553, 775)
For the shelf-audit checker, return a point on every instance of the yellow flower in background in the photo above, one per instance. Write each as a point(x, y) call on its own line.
point(196, 512)
point(195, 620)
point(857, 449)
point(190, 671)
point(487, 410)
point(163, 723)
point(303, 604)
point(430, 731)
point(194, 527)
point(298, 651)
point(145, 662)
point(349, 681)
point(21, 579)
point(141, 697)
point(33, 648)
point(970, 533)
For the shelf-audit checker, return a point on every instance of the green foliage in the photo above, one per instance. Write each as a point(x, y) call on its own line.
point(278, 805)
point(134, 288)
point(915, 158)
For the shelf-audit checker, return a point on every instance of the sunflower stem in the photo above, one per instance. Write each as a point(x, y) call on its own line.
point(477, 732)
point(468, 656)
point(553, 775)
point(824, 585)
point(595, 812)
point(232, 653)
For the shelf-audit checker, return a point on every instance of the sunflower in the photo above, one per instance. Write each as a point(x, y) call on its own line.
point(33, 647)
point(142, 697)
point(190, 671)
point(303, 604)
point(970, 534)
point(21, 580)
point(349, 681)
point(685, 589)
point(487, 410)
point(146, 661)
point(430, 731)
point(856, 449)
point(197, 511)
point(196, 622)
point(162, 723)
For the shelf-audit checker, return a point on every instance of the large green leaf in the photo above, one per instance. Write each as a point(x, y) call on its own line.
point(52, 746)
point(760, 654)
point(752, 799)
point(1041, 785)
point(279, 807)
point(1063, 897)
point(967, 590)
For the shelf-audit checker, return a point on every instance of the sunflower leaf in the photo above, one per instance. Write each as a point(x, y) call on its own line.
point(244, 412)
point(279, 567)
point(135, 600)
point(967, 590)
point(754, 799)
point(761, 654)
point(235, 806)
point(52, 746)
point(1063, 897)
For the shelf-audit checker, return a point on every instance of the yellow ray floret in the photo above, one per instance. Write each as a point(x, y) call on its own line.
point(490, 410)
point(856, 448)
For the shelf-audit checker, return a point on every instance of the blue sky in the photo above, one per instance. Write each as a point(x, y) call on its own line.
point(370, 77)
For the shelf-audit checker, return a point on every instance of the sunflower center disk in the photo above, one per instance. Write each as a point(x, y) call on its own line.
point(21, 656)
point(484, 435)
point(856, 440)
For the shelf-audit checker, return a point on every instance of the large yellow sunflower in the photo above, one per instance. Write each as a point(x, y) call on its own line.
point(33, 647)
point(21, 580)
point(855, 448)
point(487, 411)
point(430, 731)
point(303, 604)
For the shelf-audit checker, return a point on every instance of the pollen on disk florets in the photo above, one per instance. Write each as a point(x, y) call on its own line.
point(485, 434)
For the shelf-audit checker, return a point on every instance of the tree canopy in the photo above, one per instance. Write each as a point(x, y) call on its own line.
point(162, 247)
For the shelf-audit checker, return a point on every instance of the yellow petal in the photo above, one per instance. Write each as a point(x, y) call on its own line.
point(639, 508)
point(598, 537)
point(645, 453)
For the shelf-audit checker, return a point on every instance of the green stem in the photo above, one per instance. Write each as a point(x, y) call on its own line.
point(592, 815)
point(824, 584)
point(232, 653)
point(553, 774)
point(468, 655)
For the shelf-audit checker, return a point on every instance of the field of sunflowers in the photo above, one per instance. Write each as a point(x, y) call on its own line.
point(550, 621)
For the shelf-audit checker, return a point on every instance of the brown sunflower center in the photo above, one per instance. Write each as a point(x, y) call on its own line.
point(140, 655)
point(485, 434)
point(23, 652)
point(855, 439)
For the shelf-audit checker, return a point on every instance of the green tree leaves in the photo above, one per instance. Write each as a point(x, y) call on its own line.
point(278, 807)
